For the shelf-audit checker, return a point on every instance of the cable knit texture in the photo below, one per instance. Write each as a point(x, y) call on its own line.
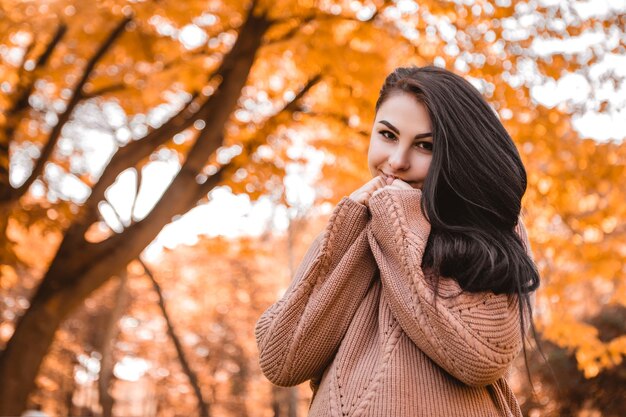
point(360, 321)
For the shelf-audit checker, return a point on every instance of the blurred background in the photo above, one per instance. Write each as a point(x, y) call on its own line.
point(164, 165)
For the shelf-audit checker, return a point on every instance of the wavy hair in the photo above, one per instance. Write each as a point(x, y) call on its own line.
point(473, 190)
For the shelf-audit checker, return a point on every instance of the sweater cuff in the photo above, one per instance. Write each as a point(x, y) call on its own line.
point(404, 205)
point(348, 219)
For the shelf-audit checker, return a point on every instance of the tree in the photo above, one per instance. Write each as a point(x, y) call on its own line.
point(212, 79)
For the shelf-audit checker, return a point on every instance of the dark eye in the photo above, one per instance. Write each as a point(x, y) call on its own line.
point(424, 145)
point(385, 133)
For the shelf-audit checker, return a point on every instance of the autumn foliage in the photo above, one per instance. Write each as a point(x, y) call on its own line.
point(236, 94)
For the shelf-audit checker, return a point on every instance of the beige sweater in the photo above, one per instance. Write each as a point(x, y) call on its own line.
point(359, 321)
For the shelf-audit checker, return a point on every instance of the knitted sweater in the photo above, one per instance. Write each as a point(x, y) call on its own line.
point(360, 321)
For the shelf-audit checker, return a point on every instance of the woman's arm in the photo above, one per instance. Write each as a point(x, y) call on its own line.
point(473, 336)
point(298, 336)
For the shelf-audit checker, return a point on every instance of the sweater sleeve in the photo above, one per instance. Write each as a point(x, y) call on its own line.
point(473, 336)
point(298, 336)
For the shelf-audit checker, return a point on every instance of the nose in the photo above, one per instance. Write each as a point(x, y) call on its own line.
point(399, 160)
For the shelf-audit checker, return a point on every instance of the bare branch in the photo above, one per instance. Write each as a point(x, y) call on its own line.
point(193, 379)
point(22, 102)
point(55, 134)
point(294, 104)
point(130, 155)
point(319, 15)
point(203, 406)
point(102, 91)
point(56, 39)
point(110, 333)
point(244, 49)
point(181, 194)
point(290, 107)
point(16, 112)
point(138, 179)
point(290, 34)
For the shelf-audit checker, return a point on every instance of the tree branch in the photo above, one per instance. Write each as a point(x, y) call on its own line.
point(129, 155)
point(55, 134)
point(269, 125)
point(138, 179)
point(290, 33)
point(22, 102)
point(56, 39)
point(111, 331)
point(16, 112)
point(102, 91)
point(318, 16)
point(203, 406)
point(180, 196)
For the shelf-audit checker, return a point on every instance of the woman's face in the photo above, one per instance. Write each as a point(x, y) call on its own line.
point(401, 143)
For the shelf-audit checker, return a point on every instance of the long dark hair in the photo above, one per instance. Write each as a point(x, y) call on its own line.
point(473, 190)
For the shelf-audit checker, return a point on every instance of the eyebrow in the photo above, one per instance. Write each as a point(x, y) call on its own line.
point(395, 129)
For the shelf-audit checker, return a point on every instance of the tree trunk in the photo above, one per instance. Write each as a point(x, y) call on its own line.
point(81, 267)
point(25, 351)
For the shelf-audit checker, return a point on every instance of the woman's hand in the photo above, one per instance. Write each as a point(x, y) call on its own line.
point(394, 184)
point(375, 185)
point(363, 194)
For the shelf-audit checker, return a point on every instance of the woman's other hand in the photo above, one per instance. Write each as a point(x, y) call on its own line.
point(363, 194)
point(395, 184)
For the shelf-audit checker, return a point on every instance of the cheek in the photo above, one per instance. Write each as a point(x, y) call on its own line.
point(422, 164)
point(375, 153)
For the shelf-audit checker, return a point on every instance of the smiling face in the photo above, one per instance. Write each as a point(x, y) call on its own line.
point(401, 142)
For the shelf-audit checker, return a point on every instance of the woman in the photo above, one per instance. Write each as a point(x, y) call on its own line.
point(415, 299)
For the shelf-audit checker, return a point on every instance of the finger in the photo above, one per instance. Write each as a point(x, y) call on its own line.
point(363, 197)
point(374, 184)
point(379, 190)
point(359, 197)
point(401, 185)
